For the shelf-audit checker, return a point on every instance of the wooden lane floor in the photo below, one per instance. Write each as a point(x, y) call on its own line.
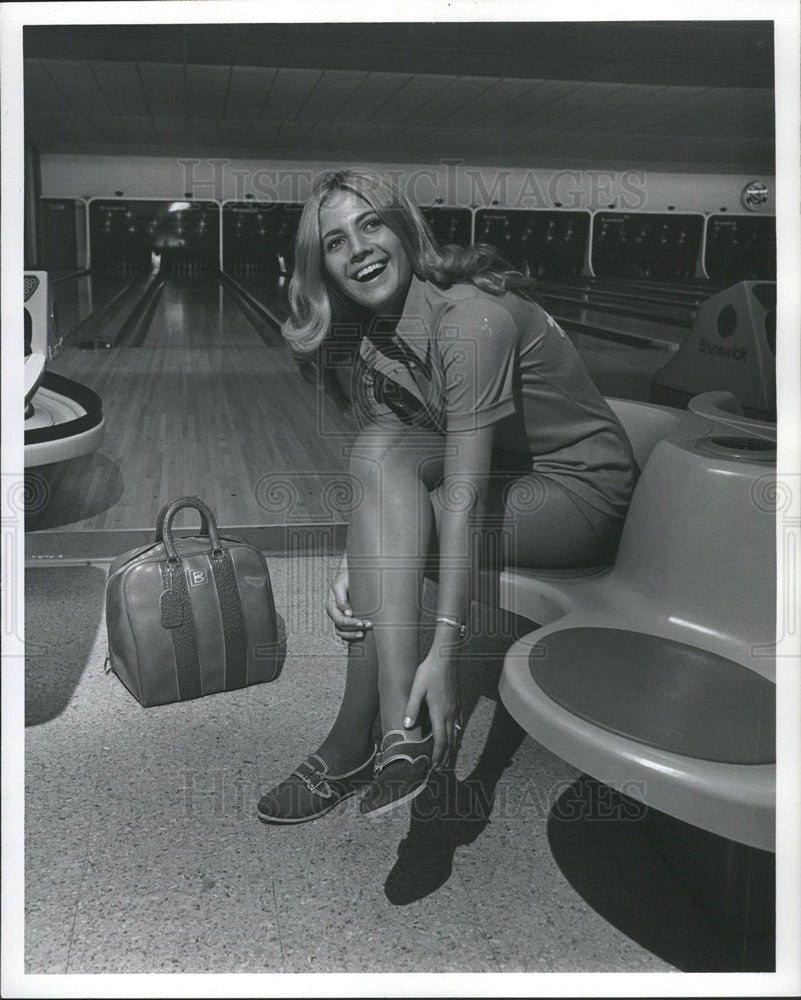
point(204, 407)
point(621, 370)
point(77, 298)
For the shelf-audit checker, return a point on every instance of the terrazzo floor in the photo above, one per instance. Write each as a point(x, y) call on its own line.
point(143, 853)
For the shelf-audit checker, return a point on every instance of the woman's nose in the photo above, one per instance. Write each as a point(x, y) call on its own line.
point(359, 246)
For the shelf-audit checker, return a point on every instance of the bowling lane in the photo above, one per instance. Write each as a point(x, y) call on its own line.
point(269, 290)
point(204, 406)
point(199, 312)
point(621, 370)
point(77, 298)
point(671, 301)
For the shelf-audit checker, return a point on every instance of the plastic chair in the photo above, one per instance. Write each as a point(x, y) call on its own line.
point(656, 676)
point(646, 424)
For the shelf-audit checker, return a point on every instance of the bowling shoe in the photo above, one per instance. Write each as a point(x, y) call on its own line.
point(310, 791)
point(401, 772)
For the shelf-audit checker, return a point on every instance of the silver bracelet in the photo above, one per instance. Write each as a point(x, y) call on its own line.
point(461, 629)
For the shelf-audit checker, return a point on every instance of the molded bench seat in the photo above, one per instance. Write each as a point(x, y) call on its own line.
point(678, 698)
point(656, 675)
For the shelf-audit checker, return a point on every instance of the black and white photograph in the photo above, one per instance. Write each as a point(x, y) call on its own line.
point(401, 499)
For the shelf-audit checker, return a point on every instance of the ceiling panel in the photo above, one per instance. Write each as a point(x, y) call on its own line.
point(622, 110)
point(411, 98)
point(377, 90)
point(711, 118)
point(77, 85)
point(288, 93)
point(557, 100)
point(170, 130)
point(735, 53)
point(293, 131)
point(248, 91)
point(206, 90)
point(692, 100)
point(122, 87)
point(164, 89)
point(486, 97)
point(333, 90)
point(329, 134)
point(136, 129)
point(500, 100)
point(200, 129)
point(109, 126)
point(647, 93)
point(263, 132)
point(41, 92)
point(454, 99)
point(234, 133)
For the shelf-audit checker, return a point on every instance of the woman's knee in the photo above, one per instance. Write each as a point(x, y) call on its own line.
point(383, 456)
point(370, 459)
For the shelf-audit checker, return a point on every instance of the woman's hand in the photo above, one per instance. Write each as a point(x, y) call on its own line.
point(338, 609)
point(437, 681)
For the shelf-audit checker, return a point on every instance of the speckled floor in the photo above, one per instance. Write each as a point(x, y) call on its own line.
point(143, 853)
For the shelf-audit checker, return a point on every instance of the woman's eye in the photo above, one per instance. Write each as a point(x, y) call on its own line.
point(334, 243)
point(373, 222)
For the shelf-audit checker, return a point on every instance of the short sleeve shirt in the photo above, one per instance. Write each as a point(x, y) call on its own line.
point(475, 359)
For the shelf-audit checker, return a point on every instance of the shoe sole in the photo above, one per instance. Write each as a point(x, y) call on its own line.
point(383, 810)
point(280, 821)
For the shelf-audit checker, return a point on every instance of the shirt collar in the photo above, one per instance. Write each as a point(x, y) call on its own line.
point(413, 327)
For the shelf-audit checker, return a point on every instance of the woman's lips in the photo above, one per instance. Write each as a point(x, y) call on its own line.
point(370, 271)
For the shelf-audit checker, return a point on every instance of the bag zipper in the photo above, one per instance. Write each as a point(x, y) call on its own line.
point(147, 549)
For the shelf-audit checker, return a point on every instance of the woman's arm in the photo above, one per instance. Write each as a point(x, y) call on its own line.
point(338, 606)
point(462, 496)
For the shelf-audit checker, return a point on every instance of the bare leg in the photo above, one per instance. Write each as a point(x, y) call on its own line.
point(396, 472)
point(388, 539)
point(351, 738)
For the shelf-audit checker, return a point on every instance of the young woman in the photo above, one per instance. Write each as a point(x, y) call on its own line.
point(471, 399)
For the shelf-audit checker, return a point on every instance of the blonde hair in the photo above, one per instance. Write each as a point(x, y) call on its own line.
point(314, 302)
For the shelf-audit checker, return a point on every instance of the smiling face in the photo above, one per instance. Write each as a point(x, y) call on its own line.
point(363, 256)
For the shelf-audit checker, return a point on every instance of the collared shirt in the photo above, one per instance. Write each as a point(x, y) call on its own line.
point(473, 359)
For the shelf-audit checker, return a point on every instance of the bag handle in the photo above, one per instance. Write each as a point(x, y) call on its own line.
point(204, 523)
point(208, 524)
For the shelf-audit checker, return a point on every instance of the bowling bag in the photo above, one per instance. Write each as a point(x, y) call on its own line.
point(190, 616)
